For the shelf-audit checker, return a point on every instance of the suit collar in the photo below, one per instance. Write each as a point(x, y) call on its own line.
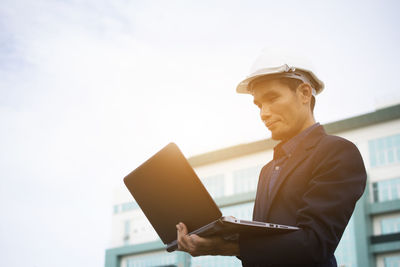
point(300, 153)
point(286, 148)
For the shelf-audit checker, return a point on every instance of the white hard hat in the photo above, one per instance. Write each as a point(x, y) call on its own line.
point(278, 67)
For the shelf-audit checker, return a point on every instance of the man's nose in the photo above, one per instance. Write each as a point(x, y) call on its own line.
point(265, 112)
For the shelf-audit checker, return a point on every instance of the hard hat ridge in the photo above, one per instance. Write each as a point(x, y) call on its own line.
point(284, 71)
point(280, 62)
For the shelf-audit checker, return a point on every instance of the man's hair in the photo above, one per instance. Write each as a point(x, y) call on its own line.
point(293, 84)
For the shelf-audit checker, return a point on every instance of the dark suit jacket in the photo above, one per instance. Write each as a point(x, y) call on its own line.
point(317, 190)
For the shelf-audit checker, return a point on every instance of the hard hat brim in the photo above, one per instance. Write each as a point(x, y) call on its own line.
point(243, 86)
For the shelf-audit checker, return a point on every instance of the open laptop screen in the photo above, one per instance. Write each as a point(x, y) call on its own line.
point(168, 191)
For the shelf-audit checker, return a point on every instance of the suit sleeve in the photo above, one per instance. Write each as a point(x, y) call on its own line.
point(338, 181)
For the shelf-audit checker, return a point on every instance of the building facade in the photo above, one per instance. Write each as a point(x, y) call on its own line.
point(371, 239)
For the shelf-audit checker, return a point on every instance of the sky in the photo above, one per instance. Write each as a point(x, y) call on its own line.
point(90, 89)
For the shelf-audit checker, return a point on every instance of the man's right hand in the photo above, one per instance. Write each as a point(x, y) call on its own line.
point(197, 246)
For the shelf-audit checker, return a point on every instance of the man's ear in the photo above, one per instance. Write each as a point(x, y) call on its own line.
point(304, 91)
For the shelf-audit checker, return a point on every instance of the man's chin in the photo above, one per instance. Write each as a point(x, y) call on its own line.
point(275, 136)
point(278, 136)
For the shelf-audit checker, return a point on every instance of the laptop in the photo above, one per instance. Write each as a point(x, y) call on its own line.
point(168, 191)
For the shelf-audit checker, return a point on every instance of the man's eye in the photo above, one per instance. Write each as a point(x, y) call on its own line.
point(271, 99)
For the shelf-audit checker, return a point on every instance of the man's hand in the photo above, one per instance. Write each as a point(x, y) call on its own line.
point(197, 246)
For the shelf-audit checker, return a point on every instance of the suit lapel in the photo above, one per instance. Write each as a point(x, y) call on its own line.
point(259, 203)
point(300, 153)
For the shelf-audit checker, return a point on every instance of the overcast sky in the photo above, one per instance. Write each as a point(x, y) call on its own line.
point(90, 89)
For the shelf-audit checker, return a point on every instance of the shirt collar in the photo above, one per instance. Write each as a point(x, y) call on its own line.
point(286, 148)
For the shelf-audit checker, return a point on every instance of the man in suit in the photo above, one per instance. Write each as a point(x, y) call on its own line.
point(313, 181)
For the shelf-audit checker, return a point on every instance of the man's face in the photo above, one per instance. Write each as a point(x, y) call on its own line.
point(282, 110)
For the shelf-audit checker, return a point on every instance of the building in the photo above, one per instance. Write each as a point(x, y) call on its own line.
point(371, 239)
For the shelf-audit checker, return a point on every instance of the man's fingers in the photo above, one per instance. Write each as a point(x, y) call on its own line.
point(179, 238)
point(182, 228)
point(196, 245)
point(182, 238)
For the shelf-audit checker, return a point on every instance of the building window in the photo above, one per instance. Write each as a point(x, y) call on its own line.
point(125, 207)
point(129, 206)
point(346, 251)
point(241, 211)
point(393, 261)
point(156, 259)
point(215, 185)
point(386, 190)
point(220, 261)
point(116, 209)
point(246, 180)
point(384, 151)
point(127, 229)
point(390, 225)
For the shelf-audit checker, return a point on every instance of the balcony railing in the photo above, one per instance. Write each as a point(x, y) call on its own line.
point(385, 238)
